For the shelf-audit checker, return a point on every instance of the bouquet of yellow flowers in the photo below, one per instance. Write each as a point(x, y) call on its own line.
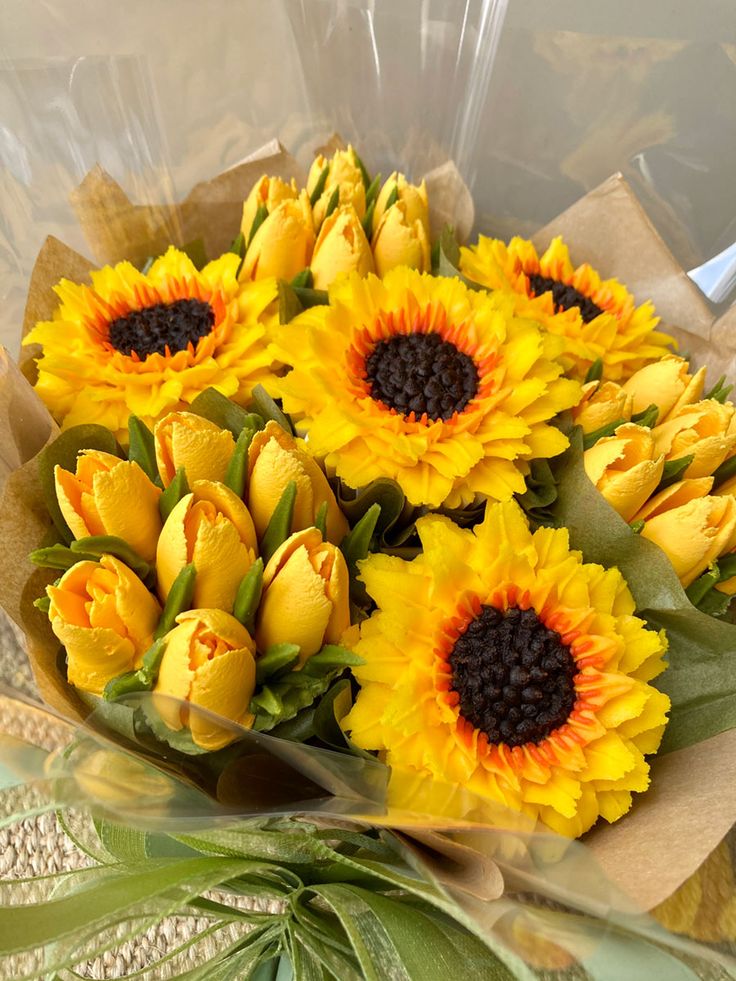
point(372, 571)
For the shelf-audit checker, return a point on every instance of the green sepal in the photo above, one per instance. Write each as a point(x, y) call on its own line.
point(371, 191)
point(258, 219)
point(279, 527)
point(320, 522)
point(648, 417)
point(310, 297)
point(289, 303)
point(237, 468)
point(333, 202)
point(674, 469)
point(267, 409)
point(303, 279)
point(356, 544)
point(720, 390)
point(392, 198)
point(278, 659)
point(727, 566)
point(540, 494)
point(637, 526)
point(179, 599)
point(331, 658)
point(124, 684)
point(367, 184)
point(43, 603)
point(213, 405)
point(448, 258)
point(608, 430)
point(238, 245)
point(59, 557)
point(98, 545)
point(726, 470)
point(595, 372)
point(196, 252)
point(715, 603)
point(142, 449)
point(367, 221)
point(248, 596)
point(63, 452)
point(267, 702)
point(319, 186)
point(178, 488)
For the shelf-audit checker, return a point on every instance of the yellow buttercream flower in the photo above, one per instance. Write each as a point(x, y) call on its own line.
point(667, 384)
point(602, 404)
point(268, 193)
point(305, 597)
point(412, 196)
point(110, 496)
point(208, 663)
point(149, 343)
point(694, 534)
point(211, 528)
point(183, 439)
point(341, 247)
point(400, 241)
point(705, 430)
point(675, 496)
point(596, 317)
point(422, 380)
point(274, 459)
point(625, 468)
point(105, 618)
point(344, 174)
point(499, 661)
point(283, 244)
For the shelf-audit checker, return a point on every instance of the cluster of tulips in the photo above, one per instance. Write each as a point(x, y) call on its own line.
point(230, 552)
point(664, 456)
point(340, 223)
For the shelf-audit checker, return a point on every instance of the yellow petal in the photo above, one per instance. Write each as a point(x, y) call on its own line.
point(224, 685)
point(183, 439)
point(341, 247)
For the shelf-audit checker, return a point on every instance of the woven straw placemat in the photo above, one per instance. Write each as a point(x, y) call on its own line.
point(39, 846)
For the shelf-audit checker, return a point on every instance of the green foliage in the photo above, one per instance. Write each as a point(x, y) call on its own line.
point(178, 488)
point(213, 405)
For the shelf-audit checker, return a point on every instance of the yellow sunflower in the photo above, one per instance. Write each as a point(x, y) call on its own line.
point(597, 317)
point(499, 661)
point(149, 343)
point(420, 379)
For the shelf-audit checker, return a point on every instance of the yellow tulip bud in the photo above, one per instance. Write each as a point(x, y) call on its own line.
point(283, 244)
point(343, 172)
point(305, 595)
point(412, 196)
point(209, 664)
point(707, 430)
point(675, 496)
point(667, 384)
point(602, 404)
point(183, 439)
point(274, 459)
point(397, 241)
point(110, 496)
point(267, 192)
point(105, 618)
point(341, 247)
point(624, 468)
point(212, 528)
point(695, 534)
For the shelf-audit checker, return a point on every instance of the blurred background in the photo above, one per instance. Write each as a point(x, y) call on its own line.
point(535, 102)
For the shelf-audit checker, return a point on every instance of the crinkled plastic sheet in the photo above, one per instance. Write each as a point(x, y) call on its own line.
point(535, 102)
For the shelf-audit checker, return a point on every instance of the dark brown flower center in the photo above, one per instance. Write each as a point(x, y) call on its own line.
point(421, 373)
point(565, 296)
point(153, 329)
point(514, 676)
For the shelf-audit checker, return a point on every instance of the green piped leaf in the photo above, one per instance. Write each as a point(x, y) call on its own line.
point(178, 488)
point(595, 372)
point(333, 202)
point(142, 449)
point(608, 430)
point(213, 405)
point(179, 599)
point(320, 522)
point(674, 470)
point(319, 186)
point(371, 191)
point(368, 220)
point(279, 527)
point(59, 557)
point(258, 220)
point(268, 409)
point(303, 279)
point(720, 390)
point(238, 245)
point(278, 659)
point(289, 303)
point(310, 297)
point(726, 470)
point(356, 544)
point(648, 417)
point(237, 468)
point(98, 545)
point(248, 596)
